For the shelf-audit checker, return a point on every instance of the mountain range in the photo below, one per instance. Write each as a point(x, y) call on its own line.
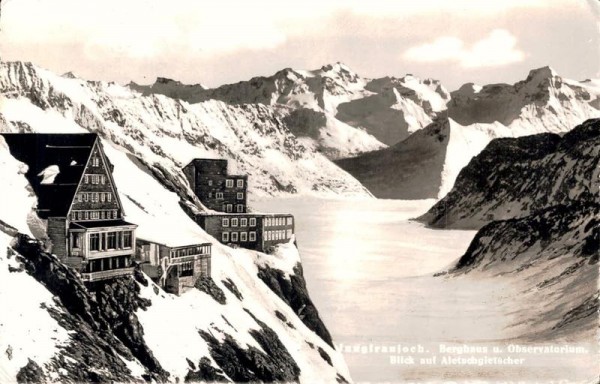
point(326, 132)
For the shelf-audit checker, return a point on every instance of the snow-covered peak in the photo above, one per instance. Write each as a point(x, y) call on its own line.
point(49, 174)
point(539, 74)
point(69, 75)
point(468, 89)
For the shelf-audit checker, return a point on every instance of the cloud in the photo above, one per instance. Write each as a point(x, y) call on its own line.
point(497, 49)
point(146, 28)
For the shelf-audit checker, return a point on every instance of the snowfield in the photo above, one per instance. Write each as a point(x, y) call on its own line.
point(171, 323)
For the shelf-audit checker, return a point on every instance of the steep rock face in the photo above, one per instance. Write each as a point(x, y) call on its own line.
point(293, 291)
point(424, 165)
point(167, 133)
point(106, 332)
point(551, 256)
point(398, 107)
point(544, 101)
point(515, 177)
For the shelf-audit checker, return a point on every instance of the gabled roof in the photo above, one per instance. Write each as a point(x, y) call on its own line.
point(70, 152)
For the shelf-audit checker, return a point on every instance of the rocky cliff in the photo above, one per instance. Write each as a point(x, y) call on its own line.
point(419, 167)
point(514, 177)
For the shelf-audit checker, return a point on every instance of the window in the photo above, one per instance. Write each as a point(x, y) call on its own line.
point(111, 240)
point(234, 222)
point(86, 197)
point(268, 222)
point(240, 208)
point(94, 215)
point(76, 240)
point(87, 179)
point(80, 197)
point(240, 183)
point(219, 195)
point(252, 236)
point(229, 183)
point(225, 222)
point(229, 208)
point(109, 197)
point(243, 222)
point(95, 179)
point(210, 183)
point(127, 239)
point(94, 242)
point(290, 220)
point(114, 213)
point(253, 221)
point(225, 237)
point(234, 236)
point(103, 197)
point(240, 196)
point(102, 215)
point(86, 215)
point(102, 179)
point(244, 236)
point(95, 161)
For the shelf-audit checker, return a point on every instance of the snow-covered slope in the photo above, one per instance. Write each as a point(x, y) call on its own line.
point(551, 259)
point(356, 114)
point(397, 108)
point(424, 165)
point(234, 327)
point(513, 177)
point(543, 102)
point(167, 133)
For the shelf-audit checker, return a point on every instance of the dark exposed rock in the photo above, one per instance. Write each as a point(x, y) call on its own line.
point(552, 225)
point(588, 308)
point(513, 177)
point(251, 364)
point(102, 319)
point(305, 122)
point(233, 288)
point(324, 356)
point(204, 372)
point(411, 169)
point(208, 286)
point(31, 373)
point(294, 292)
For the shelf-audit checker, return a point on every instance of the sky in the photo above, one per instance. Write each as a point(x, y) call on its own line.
point(214, 43)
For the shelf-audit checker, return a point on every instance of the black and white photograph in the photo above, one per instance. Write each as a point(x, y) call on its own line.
point(385, 191)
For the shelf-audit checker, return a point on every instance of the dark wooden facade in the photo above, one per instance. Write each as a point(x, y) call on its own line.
point(176, 268)
point(215, 188)
point(259, 232)
point(81, 203)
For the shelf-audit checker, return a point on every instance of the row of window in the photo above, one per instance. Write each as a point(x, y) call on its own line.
point(94, 179)
point(105, 241)
point(230, 182)
point(243, 222)
point(278, 221)
point(219, 195)
point(94, 197)
point(278, 235)
point(98, 214)
point(108, 263)
point(190, 251)
point(239, 208)
point(234, 237)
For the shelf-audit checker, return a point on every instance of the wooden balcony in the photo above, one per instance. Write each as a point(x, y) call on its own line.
point(183, 259)
point(109, 274)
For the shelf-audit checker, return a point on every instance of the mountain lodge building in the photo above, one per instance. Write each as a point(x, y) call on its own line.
point(216, 189)
point(72, 179)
